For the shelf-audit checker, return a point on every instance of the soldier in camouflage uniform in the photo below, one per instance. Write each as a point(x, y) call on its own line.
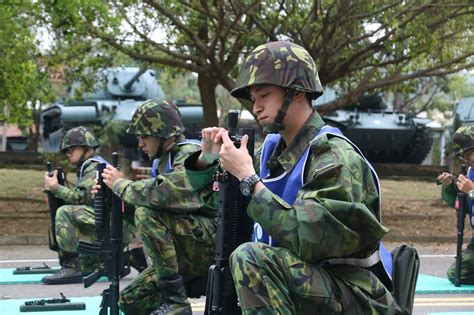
point(315, 201)
point(463, 147)
point(178, 232)
point(77, 215)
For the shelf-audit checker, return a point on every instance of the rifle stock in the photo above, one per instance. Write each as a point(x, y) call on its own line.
point(234, 227)
point(460, 206)
point(92, 278)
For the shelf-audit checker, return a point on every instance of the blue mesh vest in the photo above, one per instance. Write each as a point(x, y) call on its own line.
point(169, 165)
point(288, 184)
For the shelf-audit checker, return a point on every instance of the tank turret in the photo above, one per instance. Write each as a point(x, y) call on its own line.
point(383, 135)
point(115, 96)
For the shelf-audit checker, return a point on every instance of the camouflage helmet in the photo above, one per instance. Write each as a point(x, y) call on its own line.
point(156, 118)
point(463, 139)
point(79, 136)
point(280, 63)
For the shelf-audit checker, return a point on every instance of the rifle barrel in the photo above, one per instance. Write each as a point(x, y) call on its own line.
point(460, 217)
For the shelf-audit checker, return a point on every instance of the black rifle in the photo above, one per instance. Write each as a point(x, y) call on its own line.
point(109, 246)
point(53, 203)
point(460, 206)
point(234, 227)
point(49, 305)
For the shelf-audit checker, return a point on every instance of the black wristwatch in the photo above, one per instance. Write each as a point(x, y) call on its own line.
point(248, 184)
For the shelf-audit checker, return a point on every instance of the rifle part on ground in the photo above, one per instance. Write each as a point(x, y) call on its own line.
point(49, 305)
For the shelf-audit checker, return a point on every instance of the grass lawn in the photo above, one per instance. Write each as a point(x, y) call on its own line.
point(21, 183)
point(411, 190)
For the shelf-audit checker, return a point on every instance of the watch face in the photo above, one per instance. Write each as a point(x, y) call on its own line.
point(245, 188)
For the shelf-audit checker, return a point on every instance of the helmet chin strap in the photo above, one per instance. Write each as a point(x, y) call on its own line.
point(277, 125)
point(83, 155)
point(162, 151)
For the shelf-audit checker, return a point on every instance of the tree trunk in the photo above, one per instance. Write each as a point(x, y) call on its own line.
point(34, 131)
point(207, 87)
point(398, 102)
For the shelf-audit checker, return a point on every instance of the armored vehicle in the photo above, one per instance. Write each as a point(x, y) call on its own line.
point(384, 136)
point(116, 95)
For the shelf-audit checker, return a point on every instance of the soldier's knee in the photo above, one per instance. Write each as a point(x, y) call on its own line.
point(147, 219)
point(245, 253)
point(63, 212)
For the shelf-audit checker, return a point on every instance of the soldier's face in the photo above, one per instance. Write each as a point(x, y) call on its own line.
point(267, 100)
point(74, 154)
point(149, 145)
point(468, 157)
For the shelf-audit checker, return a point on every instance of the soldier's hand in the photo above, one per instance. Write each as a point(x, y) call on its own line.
point(51, 182)
point(210, 145)
point(445, 179)
point(110, 175)
point(95, 188)
point(236, 161)
point(464, 184)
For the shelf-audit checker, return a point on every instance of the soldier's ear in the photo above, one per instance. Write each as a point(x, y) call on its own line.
point(299, 96)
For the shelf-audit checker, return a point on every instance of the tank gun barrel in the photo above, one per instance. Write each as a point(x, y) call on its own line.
point(127, 86)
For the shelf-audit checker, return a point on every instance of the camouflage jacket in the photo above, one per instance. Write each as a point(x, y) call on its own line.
point(81, 194)
point(168, 191)
point(448, 194)
point(336, 211)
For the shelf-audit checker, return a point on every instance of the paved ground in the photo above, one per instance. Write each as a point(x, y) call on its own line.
point(435, 259)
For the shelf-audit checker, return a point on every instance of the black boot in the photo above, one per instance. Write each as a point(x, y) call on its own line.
point(136, 258)
point(175, 301)
point(70, 271)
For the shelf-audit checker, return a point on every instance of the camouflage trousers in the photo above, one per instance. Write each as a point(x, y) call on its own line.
point(467, 269)
point(77, 221)
point(273, 280)
point(177, 244)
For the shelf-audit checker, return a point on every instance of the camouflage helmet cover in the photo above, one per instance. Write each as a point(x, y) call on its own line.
point(79, 136)
point(280, 63)
point(156, 118)
point(463, 139)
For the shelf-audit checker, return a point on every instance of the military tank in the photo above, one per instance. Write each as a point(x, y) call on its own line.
point(383, 135)
point(116, 95)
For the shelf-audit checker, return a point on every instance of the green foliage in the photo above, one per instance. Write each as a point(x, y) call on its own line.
point(179, 86)
point(111, 132)
point(21, 77)
point(359, 46)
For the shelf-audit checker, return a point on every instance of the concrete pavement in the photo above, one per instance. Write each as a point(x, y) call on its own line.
point(435, 259)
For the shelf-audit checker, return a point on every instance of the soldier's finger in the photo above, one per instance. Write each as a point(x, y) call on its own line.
point(225, 138)
point(218, 136)
point(244, 141)
point(110, 168)
point(443, 176)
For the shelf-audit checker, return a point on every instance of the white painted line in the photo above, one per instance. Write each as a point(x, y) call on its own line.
point(28, 260)
point(436, 256)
